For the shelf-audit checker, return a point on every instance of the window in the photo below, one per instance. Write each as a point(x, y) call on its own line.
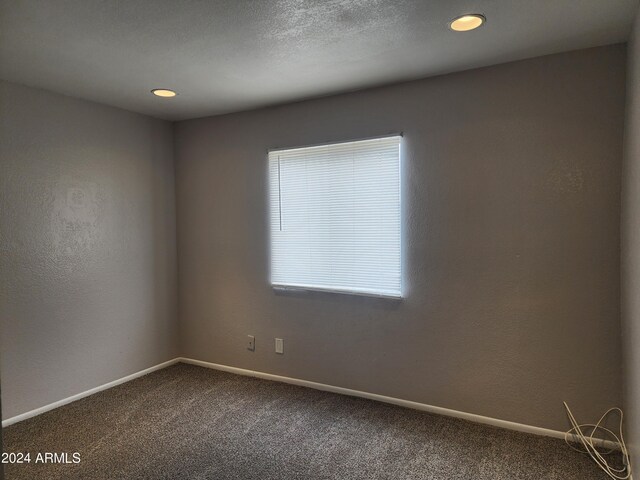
point(335, 217)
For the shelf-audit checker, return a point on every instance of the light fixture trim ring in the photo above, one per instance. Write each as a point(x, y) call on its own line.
point(164, 92)
point(479, 16)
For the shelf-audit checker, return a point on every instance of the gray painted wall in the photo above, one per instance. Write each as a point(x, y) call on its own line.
point(631, 249)
point(88, 252)
point(512, 242)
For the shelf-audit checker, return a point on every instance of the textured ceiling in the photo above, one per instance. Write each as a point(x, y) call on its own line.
point(230, 55)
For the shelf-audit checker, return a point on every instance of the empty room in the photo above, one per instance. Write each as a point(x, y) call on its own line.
point(320, 239)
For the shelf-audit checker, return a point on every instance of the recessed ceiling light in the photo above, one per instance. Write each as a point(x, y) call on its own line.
point(163, 92)
point(464, 23)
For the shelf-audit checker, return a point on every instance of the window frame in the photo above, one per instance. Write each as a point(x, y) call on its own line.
point(304, 288)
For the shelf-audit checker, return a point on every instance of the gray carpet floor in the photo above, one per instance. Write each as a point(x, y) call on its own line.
point(188, 422)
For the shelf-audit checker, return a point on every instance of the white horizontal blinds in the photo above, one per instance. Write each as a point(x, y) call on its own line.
point(335, 217)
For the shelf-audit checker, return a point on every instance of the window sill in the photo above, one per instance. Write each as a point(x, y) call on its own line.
point(341, 291)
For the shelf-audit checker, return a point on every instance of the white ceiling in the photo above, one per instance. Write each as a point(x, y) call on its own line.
point(229, 55)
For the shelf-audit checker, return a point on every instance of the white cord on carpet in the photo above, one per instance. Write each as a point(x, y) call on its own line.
point(588, 443)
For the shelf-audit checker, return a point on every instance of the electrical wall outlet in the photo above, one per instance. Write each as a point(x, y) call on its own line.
point(251, 342)
point(279, 345)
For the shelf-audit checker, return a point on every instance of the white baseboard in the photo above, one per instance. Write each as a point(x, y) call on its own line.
point(519, 427)
point(78, 396)
point(305, 383)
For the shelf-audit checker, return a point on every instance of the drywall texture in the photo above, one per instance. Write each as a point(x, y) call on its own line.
point(231, 55)
point(511, 242)
point(88, 253)
point(631, 249)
